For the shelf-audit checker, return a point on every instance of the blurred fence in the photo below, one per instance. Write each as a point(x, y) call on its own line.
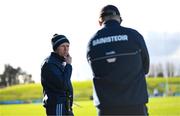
point(165, 87)
point(21, 101)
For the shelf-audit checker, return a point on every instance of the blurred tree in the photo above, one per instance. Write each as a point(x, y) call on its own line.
point(26, 78)
point(178, 72)
point(160, 70)
point(156, 70)
point(11, 76)
point(152, 71)
point(170, 69)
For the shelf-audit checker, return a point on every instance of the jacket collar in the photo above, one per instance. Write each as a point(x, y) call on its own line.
point(56, 56)
point(111, 23)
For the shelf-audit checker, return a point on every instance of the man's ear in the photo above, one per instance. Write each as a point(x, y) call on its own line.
point(120, 20)
point(100, 21)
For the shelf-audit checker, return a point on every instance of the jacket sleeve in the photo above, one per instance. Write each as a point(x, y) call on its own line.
point(68, 84)
point(145, 55)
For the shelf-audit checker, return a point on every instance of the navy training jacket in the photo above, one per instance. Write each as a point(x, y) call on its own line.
point(55, 79)
point(119, 60)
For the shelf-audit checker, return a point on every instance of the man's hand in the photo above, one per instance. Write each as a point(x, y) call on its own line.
point(68, 59)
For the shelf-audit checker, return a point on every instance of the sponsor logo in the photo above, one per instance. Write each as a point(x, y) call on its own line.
point(109, 39)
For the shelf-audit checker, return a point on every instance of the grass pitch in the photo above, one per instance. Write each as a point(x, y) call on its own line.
point(161, 106)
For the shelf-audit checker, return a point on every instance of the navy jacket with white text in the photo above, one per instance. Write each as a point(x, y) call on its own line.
point(119, 60)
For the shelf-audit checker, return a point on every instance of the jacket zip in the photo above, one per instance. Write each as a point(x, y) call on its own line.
point(117, 55)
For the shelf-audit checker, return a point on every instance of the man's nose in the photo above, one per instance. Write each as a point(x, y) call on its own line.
point(66, 48)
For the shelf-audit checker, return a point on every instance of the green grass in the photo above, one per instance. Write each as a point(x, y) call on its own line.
point(82, 90)
point(82, 108)
point(22, 110)
point(21, 92)
point(164, 106)
point(161, 106)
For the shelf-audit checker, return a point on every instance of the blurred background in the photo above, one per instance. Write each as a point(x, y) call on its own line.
point(26, 29)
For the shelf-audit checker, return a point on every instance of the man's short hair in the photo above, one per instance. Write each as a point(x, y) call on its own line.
point(109, 10)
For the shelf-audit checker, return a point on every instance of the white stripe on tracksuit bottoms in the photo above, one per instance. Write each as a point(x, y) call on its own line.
point(59, 108)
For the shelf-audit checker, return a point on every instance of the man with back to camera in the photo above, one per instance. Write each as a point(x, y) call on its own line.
point(119, 60)
point(55, 79)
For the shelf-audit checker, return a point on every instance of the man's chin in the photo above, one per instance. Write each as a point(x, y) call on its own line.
point(66, 55)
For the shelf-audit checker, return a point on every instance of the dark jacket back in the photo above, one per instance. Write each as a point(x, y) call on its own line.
point(119, 60)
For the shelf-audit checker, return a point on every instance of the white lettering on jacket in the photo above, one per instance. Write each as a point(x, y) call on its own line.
point(109, 39)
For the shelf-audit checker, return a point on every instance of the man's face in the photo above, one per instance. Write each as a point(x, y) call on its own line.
point(63, 49)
